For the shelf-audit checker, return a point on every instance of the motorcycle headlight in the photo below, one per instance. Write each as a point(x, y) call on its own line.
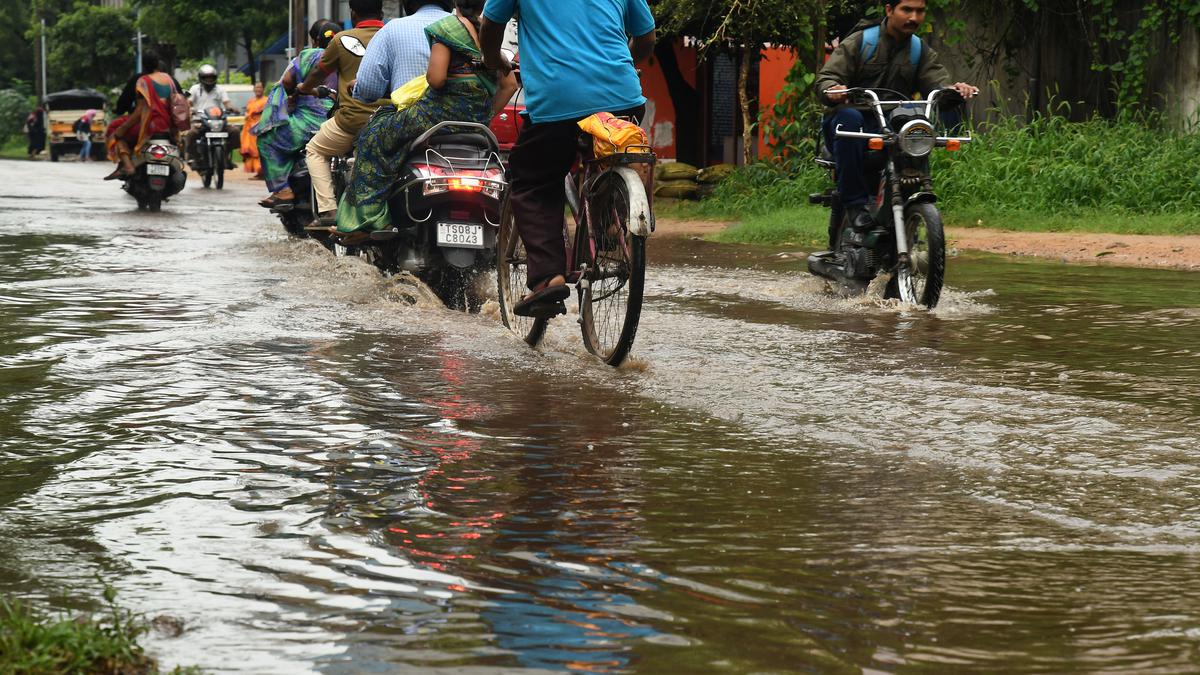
point(215, 125)
point(917, 138)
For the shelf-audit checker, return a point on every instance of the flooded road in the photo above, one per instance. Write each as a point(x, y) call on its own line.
point(315, 475)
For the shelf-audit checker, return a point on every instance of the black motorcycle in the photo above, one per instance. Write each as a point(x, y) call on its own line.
point(212, 146)
point(299, 217)
point(158, 175)
point(907, 241)
point(445, 210)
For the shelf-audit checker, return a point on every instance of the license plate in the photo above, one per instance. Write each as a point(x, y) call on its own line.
point(158, 169)
point(460, 235)
point(218, 134)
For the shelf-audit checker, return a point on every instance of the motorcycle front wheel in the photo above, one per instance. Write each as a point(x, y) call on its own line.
point(919, 282)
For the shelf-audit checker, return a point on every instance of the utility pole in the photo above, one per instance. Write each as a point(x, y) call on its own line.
point(45, 90)
point(140, 68)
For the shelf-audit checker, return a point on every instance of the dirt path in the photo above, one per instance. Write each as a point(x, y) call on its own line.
point(1128, 250)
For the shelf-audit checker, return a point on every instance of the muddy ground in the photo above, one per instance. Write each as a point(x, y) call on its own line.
point(1127, 250)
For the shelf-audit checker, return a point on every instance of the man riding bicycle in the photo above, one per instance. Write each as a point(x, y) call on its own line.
point(577, 59)
point(875, 56)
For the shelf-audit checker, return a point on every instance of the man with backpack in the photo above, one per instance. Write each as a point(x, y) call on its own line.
point(887, 55)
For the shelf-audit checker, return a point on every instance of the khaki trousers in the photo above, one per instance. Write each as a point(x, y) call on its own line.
point(331, 141)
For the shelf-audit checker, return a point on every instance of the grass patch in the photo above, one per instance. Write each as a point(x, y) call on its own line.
point(34, 643)
point(16, 147)
point(1132, 175)
point(803, 226)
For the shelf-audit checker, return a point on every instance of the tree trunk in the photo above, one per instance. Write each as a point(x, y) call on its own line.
point(748, 131)
point(249, 43)
point(686, 100)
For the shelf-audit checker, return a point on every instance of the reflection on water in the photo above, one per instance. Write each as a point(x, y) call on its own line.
point(316, 474)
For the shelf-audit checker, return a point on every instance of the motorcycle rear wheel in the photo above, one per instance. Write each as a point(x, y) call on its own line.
point(920, 282)
point(510, 279)
point(207, 176)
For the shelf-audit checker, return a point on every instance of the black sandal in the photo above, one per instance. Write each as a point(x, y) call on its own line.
point(544, 303)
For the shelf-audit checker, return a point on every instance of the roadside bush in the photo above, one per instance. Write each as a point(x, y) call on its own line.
point(35, 644)
point(14, 108)
point(1136, 164)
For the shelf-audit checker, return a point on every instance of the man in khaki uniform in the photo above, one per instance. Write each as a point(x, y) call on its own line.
point(336, 137)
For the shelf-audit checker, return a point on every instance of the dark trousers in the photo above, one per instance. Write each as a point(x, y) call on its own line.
point(537, 166)
point(850, 153)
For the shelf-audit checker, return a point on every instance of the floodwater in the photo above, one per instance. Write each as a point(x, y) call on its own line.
point(313, 473)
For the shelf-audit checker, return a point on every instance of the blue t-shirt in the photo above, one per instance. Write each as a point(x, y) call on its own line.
point(574, 54)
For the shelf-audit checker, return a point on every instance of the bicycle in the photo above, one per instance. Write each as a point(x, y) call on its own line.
point(606, 253)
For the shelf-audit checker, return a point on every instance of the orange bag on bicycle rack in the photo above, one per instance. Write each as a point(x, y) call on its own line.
point(612, 135)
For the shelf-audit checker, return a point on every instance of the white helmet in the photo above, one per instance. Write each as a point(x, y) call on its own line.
point(206, 71)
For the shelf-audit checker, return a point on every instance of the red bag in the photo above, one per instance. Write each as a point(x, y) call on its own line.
point(181, 110)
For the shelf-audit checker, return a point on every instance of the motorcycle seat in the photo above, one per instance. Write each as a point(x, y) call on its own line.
point(455, 142)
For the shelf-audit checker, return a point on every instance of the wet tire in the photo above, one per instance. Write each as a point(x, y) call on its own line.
point(610, 295)
point(922, 282)
point(154, 204)
point(511, 277)
point(207, 177)
point(221, 175)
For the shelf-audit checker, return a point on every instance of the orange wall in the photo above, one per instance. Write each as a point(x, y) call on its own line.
point(772, 75)
point(660, 110)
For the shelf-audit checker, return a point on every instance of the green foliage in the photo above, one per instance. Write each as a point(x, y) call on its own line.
point(91, 46)
point(1130, 164)
point(1119, 175)
point(32, 643)
point(14, 108)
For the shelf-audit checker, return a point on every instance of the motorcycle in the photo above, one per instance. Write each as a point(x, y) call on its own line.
point(159, 174)
point(212, 153)
point(445, 207)
point(907, 241)
point(298, 218)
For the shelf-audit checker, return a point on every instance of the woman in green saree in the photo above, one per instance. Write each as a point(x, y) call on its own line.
point(459, 90)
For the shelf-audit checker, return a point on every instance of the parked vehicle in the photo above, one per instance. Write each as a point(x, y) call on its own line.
point(508, 123)
point(64, 108)
point(159, 174)
point(446, 213)
point(239, 96)
point(907, 241)
point(212, 147)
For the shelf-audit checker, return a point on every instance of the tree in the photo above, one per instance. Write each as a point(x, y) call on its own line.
point(196, 28)
point(14, 108)
point(92, 46)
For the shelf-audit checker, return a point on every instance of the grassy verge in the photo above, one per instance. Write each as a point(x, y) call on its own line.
point(34, 643)
point(1133, 175)
point(15, 148)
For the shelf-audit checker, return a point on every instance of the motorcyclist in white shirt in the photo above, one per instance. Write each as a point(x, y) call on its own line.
point(207, 94)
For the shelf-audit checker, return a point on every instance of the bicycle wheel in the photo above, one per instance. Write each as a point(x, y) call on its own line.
point(610, 303)
point(511, 277)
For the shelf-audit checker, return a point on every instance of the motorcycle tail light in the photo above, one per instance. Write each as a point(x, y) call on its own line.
point(464, 185)
point(158, 152)
point(953, 145)
point(875, 144)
